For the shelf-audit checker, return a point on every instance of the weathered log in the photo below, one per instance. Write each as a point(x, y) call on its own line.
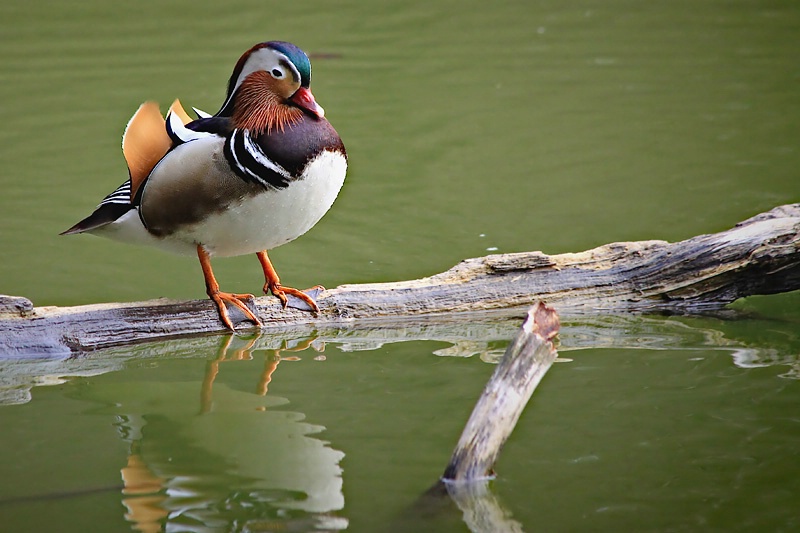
point(465, 335)
point(470, 335)
point(527, 359)
point(758, 256)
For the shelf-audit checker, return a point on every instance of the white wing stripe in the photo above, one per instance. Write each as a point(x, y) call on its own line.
point(120, 196)
point(176, 127)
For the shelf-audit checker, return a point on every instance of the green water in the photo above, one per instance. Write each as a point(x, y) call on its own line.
point(471, 128)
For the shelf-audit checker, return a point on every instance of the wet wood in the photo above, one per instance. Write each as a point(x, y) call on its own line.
point(524, 364)
point(760, 255)
point(465, 480)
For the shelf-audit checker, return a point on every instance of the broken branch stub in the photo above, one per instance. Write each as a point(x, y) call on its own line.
point(525, 362)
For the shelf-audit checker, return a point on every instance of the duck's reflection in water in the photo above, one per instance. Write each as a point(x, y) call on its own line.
point(240, 464)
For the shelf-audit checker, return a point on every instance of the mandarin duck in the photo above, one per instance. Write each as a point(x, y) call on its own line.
point(259, 173)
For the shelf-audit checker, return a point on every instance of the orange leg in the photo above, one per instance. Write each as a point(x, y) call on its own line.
point(270, 365)
point(212, 369)
point(273, 284)
point(219, 297)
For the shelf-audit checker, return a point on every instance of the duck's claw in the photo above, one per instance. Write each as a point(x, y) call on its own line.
point(273, 285)
point(306, 301)
point(237, 300)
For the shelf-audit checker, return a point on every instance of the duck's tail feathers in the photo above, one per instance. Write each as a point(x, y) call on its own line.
point(110, 209)
point(104, 214)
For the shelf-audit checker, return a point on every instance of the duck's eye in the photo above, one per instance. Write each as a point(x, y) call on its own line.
point(277, 73)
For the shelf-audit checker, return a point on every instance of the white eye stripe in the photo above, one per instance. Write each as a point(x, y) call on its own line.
point(265, 59)
point(287, 65)
point(270, 61)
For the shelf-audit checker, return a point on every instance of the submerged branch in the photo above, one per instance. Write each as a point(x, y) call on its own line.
point(760, 255)
point(527, 359)
point(465, 480)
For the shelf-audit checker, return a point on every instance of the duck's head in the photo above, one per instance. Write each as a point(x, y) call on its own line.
point(273, 74)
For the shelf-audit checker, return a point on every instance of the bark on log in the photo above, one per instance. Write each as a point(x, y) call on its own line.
point(758, 256)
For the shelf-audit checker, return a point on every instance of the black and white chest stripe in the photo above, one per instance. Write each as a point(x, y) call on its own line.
point(250, 163)
point(245, 157)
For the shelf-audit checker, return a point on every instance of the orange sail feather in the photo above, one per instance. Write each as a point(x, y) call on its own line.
point(144, 143)
point(178, 110)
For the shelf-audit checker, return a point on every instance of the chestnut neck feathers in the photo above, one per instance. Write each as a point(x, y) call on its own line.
point(260, 109)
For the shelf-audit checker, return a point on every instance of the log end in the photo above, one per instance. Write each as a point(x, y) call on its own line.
point(543, 321)
point(15, 307)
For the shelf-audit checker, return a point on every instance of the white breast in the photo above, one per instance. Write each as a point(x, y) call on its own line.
point(268, 220)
